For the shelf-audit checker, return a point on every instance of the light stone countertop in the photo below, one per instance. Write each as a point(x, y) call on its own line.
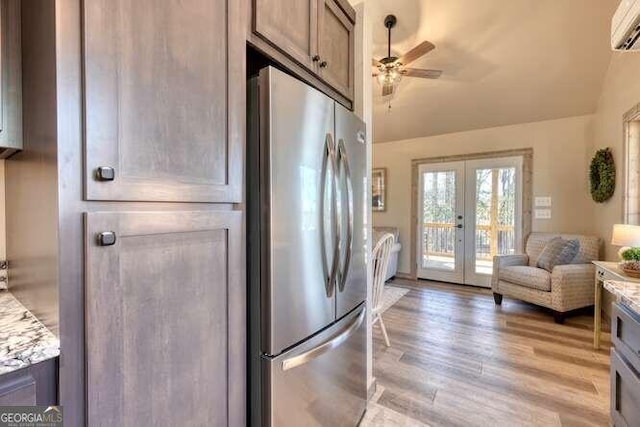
point(23, 339)
point(628, 293)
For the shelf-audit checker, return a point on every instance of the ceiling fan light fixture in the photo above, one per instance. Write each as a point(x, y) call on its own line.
point(390, 70)
point(390, 74)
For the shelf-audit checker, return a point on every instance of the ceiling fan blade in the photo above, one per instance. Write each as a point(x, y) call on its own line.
point(424, 74)
point(387, 90)
point(415, 53)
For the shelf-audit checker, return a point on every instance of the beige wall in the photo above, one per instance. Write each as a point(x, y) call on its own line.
point(561, 149)
point(621, 91)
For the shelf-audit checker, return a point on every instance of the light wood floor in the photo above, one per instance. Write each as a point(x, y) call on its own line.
point(456, 359)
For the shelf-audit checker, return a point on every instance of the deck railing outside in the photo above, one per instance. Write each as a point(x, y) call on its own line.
point(490, 240)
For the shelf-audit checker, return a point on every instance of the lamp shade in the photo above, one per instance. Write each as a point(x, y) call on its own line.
point(626, 235)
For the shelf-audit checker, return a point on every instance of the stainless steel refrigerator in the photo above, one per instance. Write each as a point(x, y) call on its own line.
point(306, 181)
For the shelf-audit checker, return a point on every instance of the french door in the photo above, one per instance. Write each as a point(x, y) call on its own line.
point(468, 212)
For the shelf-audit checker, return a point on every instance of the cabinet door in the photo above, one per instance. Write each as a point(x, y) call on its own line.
point(336, 47)
point(625, 392)
point(18, 389)
point(36, 384)
point(164, 100)
point(165, 319)
point(10, 77)
point(289, 25)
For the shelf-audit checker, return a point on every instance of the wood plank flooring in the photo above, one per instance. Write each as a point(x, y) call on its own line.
point(456, 359)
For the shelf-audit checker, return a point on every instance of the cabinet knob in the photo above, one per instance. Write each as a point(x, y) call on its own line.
point(105, 173)
point(316, 58)
point(106, 238)
point(323, 64)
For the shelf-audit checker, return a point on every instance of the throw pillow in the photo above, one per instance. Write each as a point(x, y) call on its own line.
point(558, 252)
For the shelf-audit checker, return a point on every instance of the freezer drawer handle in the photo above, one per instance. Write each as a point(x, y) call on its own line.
point(334, 342)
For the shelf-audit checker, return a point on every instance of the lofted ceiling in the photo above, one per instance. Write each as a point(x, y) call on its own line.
point(504, 61)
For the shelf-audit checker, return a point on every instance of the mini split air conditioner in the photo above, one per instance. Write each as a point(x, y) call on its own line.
point(625, 26)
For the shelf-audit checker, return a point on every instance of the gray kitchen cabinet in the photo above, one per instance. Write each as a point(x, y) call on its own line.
point(625, 363)
point(165, 318)
point(33, 385)
point(164, 100)
point(152, 328)
point(336, 47)
point(317, 34)
point(291, 26)
point(625, 392)
point(19, 390)
point(10, 78)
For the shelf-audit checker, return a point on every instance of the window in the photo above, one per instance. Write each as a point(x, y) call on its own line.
point(632, 166)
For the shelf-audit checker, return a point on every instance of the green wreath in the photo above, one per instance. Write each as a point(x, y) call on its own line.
point(602, 175)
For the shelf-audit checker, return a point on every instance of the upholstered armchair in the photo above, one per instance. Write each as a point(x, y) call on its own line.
point(565, 288)
point(378, 232)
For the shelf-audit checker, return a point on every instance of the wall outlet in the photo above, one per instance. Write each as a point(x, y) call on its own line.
point(543, 214)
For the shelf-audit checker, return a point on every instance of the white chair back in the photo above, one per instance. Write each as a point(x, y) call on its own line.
point(380, 258)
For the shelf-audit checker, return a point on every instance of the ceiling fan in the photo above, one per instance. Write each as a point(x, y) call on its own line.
point(390, 70)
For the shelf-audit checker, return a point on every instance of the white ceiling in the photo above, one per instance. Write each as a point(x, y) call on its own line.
point(504, 62)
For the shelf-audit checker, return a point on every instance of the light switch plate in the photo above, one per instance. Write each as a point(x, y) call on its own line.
point(544, 201)
point(543, 214)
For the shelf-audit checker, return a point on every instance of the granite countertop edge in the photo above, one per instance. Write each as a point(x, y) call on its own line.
point(627, 293)
point(24, 340)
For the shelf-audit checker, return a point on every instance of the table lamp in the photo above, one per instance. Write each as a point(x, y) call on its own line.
point(627, 236)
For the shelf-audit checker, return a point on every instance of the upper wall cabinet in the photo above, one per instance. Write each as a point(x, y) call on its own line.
point(317, 34)
point(335, 47)
point(10, 78)
point(164, 100)
point(290, 25)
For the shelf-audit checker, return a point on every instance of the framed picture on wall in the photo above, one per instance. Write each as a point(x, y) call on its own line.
point(379, 190)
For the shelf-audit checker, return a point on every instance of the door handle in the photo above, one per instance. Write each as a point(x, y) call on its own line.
point(336, 217)
point(344, 160)
point(328, 161)
point(331, 343)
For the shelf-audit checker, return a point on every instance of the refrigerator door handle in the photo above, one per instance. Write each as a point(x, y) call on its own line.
point(344, 159)
point(331, 343)
point(329, 160)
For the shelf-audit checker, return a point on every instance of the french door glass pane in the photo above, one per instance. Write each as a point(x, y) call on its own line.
point(495, 215)
point(439, 220)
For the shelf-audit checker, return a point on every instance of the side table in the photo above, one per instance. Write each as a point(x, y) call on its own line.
point(605, 270)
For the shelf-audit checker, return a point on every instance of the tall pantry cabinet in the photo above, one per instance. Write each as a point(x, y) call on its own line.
point(143, 142)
